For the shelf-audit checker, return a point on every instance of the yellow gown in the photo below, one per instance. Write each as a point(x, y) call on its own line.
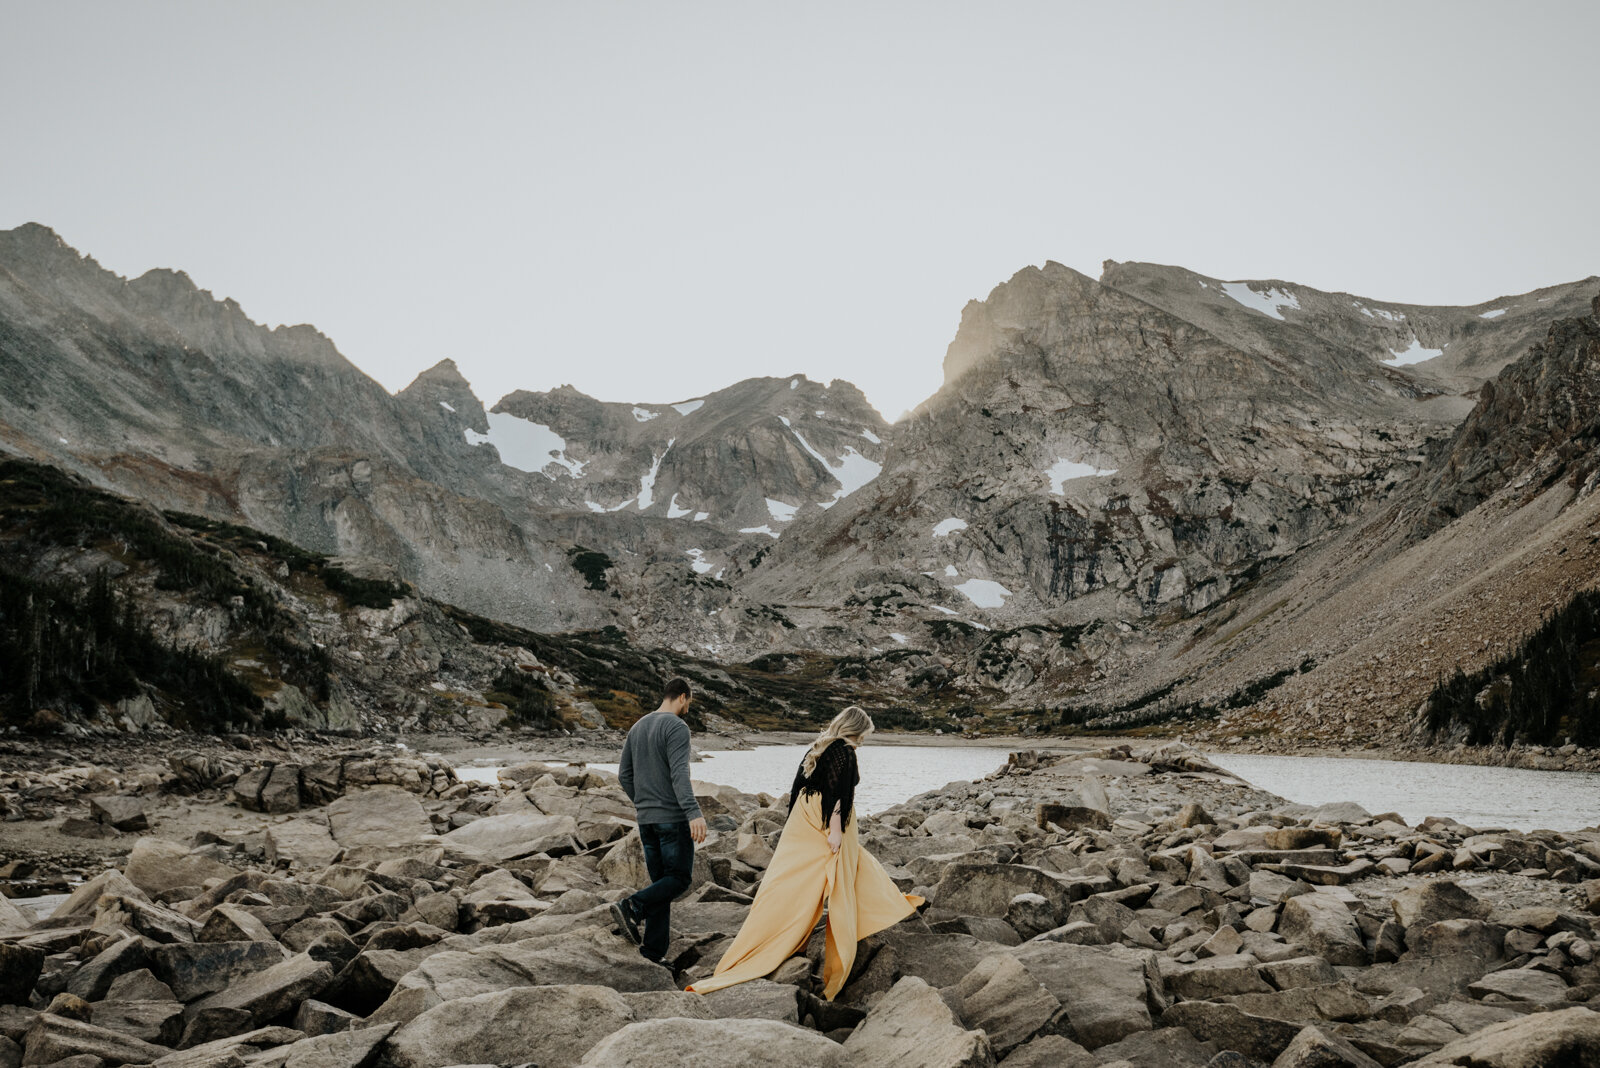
point(804, 877)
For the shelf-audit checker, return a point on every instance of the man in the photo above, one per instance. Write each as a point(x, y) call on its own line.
point(654, 771)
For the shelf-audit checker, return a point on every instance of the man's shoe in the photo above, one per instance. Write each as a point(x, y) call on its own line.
point(626, 923)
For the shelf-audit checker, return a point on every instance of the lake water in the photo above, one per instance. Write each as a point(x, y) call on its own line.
point(1517, 798)
point(1477, 796)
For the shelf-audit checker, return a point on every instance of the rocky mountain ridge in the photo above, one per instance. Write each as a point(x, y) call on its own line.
point(1112, 468)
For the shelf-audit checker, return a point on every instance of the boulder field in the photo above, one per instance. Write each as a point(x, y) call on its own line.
point(1128, 907)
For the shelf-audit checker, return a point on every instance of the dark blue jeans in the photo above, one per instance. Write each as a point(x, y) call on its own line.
point(669, 857)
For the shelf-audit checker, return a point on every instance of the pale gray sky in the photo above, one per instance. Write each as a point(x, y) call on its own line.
point(651, 201)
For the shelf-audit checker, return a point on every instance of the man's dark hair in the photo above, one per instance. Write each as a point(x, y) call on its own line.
point(676, 688)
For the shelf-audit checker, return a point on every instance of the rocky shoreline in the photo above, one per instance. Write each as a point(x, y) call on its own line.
point(1131, 906)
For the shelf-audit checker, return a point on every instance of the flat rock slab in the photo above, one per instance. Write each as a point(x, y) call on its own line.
point(304, 843)
point(380, 816)
point(55, 1038)
point(347, 1049)
point(589, 956)
point(1570, 1036)
point(1523, 984)
point(1325, 875)
point(155, 865)
point(719, 1044)
point(759, 999)
point(513, 835)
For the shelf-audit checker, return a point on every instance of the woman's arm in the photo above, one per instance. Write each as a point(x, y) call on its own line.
point(835, 830)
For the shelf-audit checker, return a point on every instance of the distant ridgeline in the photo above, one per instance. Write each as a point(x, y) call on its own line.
point(103, 599)
point(1546, 692)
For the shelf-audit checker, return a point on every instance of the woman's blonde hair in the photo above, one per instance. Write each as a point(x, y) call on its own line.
point(853, 722)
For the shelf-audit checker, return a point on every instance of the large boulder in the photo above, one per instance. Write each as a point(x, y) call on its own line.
point(588, 956)
point(1105, 989)
point(155, 865)
point(1438, 899)
point(1315, 1048)
point(356, 1048)
point(120, 812)
point(13, 920)
point(551, 1025)
point(303, 843)
point(195, 969)
point(1259, 1037)
point(1326, 926)
point(274, 991)
point(987, 889)
point(731, 1043)
point(54, 1038)
point(515, 834)
point(1000, 998)
point(911, 1026)
point(1571, 1036)
point(379, 817)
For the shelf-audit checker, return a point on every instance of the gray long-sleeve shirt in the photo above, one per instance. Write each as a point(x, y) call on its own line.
point(654, 770)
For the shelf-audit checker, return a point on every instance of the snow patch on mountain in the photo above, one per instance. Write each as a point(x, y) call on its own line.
point(1267, 303)
point(688, 407)
point(985, 593)
point(851, 471)
point(525, 445)
point(946, 527)
point(1414, 354)
point(781, 512)
point(644, 415)
point(1063, 470)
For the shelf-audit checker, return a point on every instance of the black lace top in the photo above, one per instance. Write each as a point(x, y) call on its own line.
point(835, 779)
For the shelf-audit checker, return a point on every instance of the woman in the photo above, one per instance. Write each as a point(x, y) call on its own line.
point(819, 862)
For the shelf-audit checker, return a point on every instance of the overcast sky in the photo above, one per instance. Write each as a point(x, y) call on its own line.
point(651, 201)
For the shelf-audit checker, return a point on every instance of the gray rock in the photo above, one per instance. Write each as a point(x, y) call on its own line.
point(667, 1004)
point(160, 1022)
point(1314, 1048)
point(379, 816)
point(155, 865)
point(319, 1018)
point(273, 992)
point(55, 1038)
point(1050, 1051)
point(1216, 977)
point(207, 1026)
point(229, 923)
point(1324, 925)
point(11, 1053)
point(911, 1025)
point(234, 1051)
point(140, 985)
point(1299, 971)
point(590, 956)
point(347, 1049)
point(93, 979)
point(1166, 1047)
point(1435, 900)
point(303, 843)
point(718, 1044)
point(196, 969)
point(82, 902)
point(553, 1025)
point(988, 889)
point(1000, 998)
point(759, 999)
point(1523, 984)
point(120, 812)
point(1570, 1036)
point(1105, 989)
point(1259, 1037)
point(514, 834)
